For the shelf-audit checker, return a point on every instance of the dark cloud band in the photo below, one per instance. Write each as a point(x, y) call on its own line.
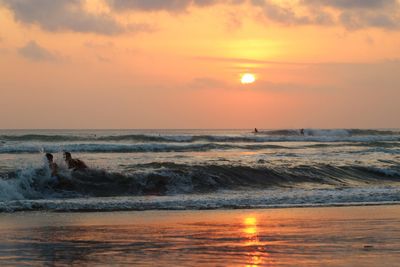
point(70, 15)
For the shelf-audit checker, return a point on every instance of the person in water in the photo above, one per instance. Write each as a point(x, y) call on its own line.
point(52, 165)
point(302, 131)
point(255, 130)
point(60, 182)
point(74, 164)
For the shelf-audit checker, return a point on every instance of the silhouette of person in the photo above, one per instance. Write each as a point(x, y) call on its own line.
point(52, 165)
point(74, 164)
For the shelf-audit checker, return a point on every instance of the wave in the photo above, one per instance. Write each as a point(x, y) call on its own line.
point(332, 132)
point(131, 148)
point(383, 147)
point(380, 146)
point(262, 136)
point(252, 199)
point(42, 137)
point(171, 178)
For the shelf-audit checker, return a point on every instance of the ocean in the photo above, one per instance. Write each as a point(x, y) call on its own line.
point(199, 169)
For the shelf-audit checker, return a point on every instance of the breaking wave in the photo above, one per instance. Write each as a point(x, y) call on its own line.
point(262, 136)
point(178, 186)
point(386, 146)
point(125, 148)
point(170, 178)
point(279, 167)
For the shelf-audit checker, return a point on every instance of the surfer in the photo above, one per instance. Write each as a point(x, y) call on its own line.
point(255, 130)
point(52, 165)
point(302, 131)
point(74, 164)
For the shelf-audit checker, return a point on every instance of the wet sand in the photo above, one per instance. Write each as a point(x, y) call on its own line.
point(329, 236)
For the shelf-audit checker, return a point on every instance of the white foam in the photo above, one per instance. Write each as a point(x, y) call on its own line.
point(22, 186)
point(224, 199)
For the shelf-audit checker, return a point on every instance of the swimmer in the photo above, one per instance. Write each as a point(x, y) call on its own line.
point(74, 164)
point(52, 165)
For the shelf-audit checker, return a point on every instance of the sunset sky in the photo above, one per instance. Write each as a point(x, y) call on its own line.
point(178, 63)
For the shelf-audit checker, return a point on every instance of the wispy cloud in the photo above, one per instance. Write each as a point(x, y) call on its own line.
point(164, 5)
point(103, 59)
point(206, 83)
point(94, 45)
point(251, 61)
point(35, 52)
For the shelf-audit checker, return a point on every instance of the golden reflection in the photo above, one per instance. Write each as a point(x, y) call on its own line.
point(250, 221)
point(256, 251)
point(251, 226)
point(250, 229)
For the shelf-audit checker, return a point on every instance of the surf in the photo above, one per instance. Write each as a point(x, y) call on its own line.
point(168, 178)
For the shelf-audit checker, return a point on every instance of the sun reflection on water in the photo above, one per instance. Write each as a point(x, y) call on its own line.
point(256, 250)
point(250, 228)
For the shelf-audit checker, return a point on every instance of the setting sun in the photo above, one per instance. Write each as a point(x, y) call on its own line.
point(227, 132)
point(248, 78)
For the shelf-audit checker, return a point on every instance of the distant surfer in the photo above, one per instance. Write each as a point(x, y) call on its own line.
point(52, 165)
point(302, 131)
point(74, 164)
point(255, 130)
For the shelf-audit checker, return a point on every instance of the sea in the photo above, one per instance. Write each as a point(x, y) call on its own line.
point(199, 169)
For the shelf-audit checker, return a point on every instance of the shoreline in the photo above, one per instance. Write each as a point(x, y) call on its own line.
point(266, 207)
point(320, 236)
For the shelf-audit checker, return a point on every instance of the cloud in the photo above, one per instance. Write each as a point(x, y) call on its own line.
point(352, 14)
point(63, 15)
point(103, 59)
point(357, 20)
point(359, 14)
point(35, 52)
point(70, 15)
point(162, 5)
point(352, 4)
point(94, 45)
point(285, 14)
point(251, 61)
point(264, 85)
point(206, 83)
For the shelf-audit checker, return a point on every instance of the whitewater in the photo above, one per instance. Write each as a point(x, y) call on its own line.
point(199, 169)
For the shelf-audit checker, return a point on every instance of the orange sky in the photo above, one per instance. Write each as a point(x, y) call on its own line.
point(177, 64)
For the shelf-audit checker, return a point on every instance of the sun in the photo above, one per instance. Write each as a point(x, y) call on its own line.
point(248, 78)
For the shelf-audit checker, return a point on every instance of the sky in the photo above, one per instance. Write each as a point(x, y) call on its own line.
point(178, 63)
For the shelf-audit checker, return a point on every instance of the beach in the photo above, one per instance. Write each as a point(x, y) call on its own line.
point(318, 236)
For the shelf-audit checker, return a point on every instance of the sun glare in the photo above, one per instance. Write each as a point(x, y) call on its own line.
point(248, 78)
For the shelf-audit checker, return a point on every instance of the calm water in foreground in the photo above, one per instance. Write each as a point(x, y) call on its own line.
point(334, 236)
